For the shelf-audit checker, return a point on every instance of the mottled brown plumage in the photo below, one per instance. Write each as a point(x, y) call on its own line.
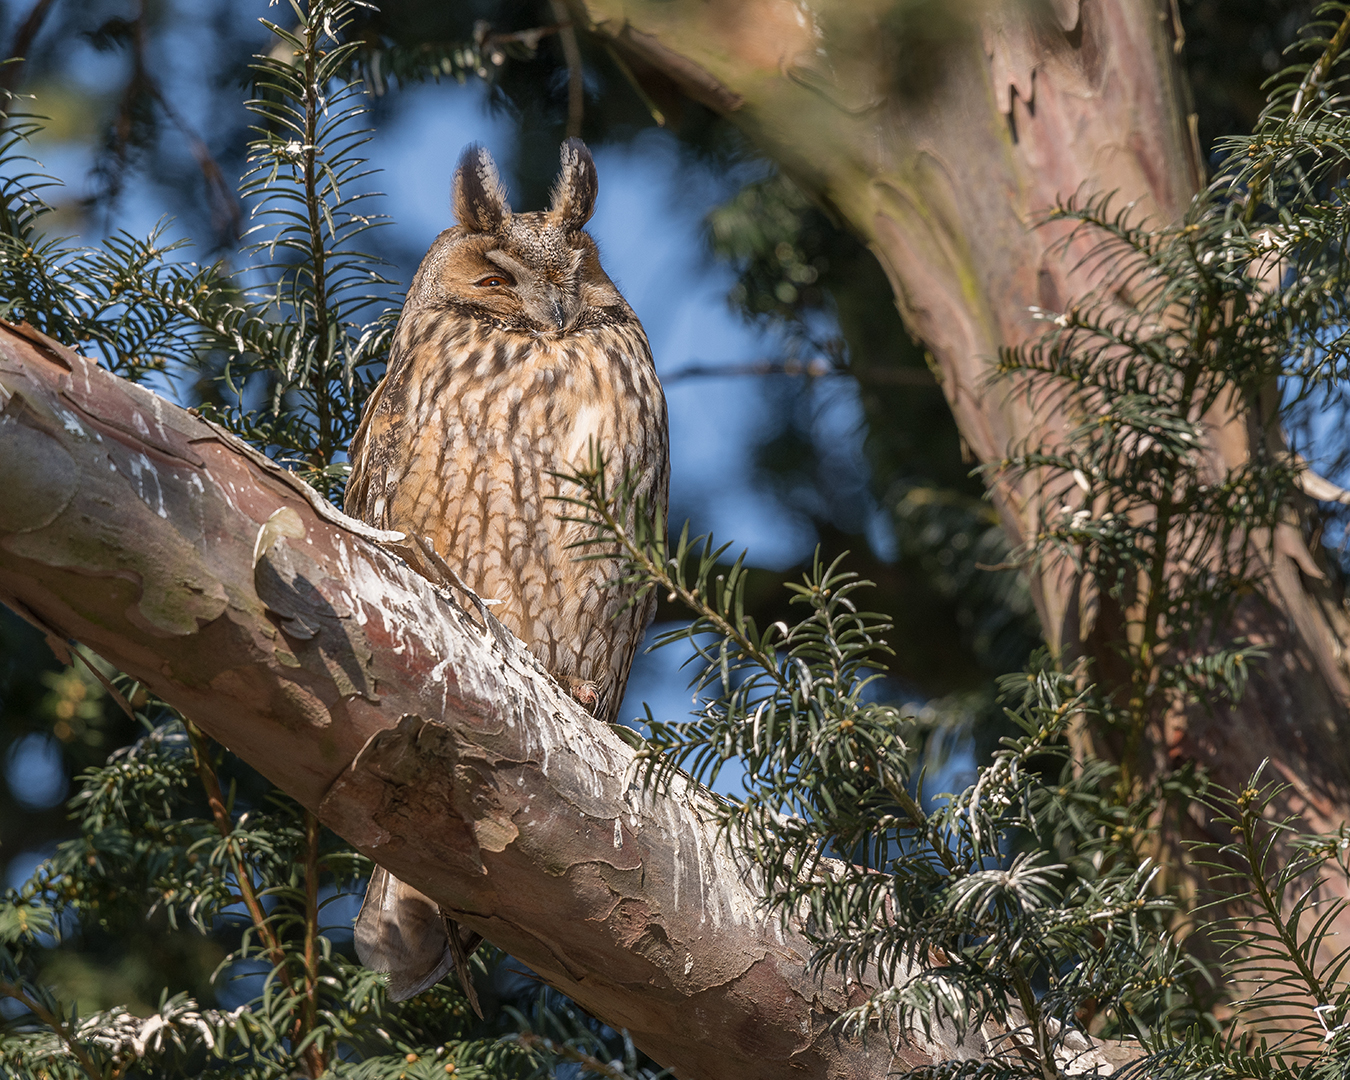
point(514, 354)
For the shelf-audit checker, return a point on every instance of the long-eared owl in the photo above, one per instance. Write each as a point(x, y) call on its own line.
point(514, 354)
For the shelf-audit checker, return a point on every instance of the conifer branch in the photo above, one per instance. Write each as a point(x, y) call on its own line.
point(589, 1063)
point(576, 75)
point(318, 250)
point(20, 995)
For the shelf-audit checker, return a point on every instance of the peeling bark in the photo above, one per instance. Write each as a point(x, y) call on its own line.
point(941, 142)
point(437, 747)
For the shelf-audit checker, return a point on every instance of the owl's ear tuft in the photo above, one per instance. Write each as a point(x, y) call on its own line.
point(478, 195)
point(574, 193)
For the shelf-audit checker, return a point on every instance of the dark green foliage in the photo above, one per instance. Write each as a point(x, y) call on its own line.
point(150, 843)
point(771, 231)
point(1283, 964)
point(77, 295)
point(49, 709)
point(317, 334)
point(959, 912)
point(825, 291)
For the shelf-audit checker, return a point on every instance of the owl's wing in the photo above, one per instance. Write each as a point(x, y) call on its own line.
point(401, 931)
point(362, 456)
point(376, 444)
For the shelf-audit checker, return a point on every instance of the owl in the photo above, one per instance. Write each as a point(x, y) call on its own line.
point(513, 356)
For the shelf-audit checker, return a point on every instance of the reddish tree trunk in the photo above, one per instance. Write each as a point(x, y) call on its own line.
point(941, 140)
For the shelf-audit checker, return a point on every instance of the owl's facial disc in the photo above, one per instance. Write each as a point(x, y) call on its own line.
point(548, 296)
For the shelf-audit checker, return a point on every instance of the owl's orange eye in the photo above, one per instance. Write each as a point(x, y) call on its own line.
point(493, 281)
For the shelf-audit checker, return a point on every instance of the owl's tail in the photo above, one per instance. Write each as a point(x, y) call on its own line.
point(404, 933)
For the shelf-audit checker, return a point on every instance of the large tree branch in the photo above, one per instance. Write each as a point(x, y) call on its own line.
point(440, 749)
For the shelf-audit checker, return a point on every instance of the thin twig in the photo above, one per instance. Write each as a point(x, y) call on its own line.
point(576, 75)
point(810, 369)
point(1255, 854)
point(588, 1063)
point(619, 62)
point(113, 692)
point(654, 564)
point(225, 825)
point(123, 126)
point(227, 218)
point(1316, 73)
point(1178, 30)
point(23, 41)
point(314, 1055)
point(1319, 70)
point(1040, 1047)
point(529, 38)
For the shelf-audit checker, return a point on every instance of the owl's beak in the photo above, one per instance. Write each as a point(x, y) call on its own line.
point(549, 306)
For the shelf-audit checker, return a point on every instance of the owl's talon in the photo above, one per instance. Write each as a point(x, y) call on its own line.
point(447, 572)
point(500, 633)
point(587, 695)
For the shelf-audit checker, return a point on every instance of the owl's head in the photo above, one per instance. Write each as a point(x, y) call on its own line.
point(537, 272)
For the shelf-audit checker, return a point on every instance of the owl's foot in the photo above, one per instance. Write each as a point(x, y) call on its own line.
point(587, 694)
point(444, 574)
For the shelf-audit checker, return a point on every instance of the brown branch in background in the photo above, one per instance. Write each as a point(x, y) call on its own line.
point(314, 1056)
point(23, 41)
point(657, 115)
point(576, 75)
point(1178, 29)
point(225, 824)
point(695, 81)
point(226, 218)
point(124, 121)
point(113, 692)
point(485, 37)
point(492, 45)
point(810, 369)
